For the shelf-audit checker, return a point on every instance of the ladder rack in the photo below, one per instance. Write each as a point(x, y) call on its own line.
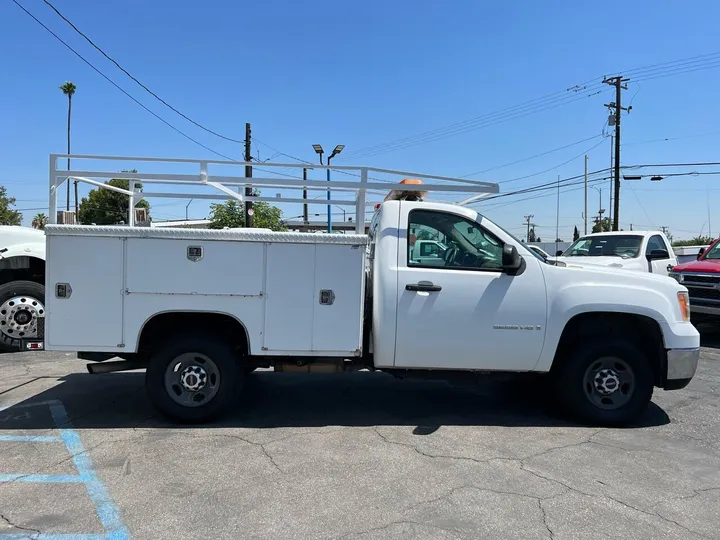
point(356, 181)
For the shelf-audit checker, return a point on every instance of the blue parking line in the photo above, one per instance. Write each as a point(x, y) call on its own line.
point(45, 478)
point(30, 438)
point(105, 509)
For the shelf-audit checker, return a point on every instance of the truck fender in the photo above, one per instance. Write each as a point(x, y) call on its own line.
point(581, 298)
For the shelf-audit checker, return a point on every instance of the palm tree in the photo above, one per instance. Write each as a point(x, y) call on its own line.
point(39, 221)
point(69, 89)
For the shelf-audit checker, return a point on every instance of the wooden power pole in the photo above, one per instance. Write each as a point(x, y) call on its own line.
point(248, 174)
point(617, 82)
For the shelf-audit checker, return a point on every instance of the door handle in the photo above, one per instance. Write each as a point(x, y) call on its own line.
point(425, 286)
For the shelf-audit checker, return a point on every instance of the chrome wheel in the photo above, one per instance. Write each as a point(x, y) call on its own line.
point(192, 379)
point(609, 383)
point(19, 316)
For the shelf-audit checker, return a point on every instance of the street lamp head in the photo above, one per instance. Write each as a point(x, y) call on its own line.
point(628, 177)
point(656, 178)
point(338, 149)
point(318, 148)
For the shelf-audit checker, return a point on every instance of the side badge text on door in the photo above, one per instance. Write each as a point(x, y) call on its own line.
point(517, 327)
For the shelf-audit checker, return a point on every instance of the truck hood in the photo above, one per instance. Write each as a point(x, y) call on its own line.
point(606, 262)
point(11, 234)
point(708, 267)
point(21, 241)
point(611, 273)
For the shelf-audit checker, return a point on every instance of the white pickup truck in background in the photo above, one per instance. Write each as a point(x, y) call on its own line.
point(639, 251)
point(200, 309)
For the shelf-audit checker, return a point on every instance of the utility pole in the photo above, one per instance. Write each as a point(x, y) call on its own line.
point(617, 82)
point(612, 176)
point(527, 219)
point(586, 193)
point(305, 206)
point(248, 174)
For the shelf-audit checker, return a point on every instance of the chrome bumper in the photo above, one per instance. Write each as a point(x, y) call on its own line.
point(682, 363)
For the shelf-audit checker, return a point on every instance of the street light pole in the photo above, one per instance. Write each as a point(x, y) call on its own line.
point(319, 150)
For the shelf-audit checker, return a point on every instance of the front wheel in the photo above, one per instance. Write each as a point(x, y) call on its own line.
point(193, 379)
point(21, 306)
point(606, 382)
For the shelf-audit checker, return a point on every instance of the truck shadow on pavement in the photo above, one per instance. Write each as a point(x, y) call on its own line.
point(709, 336)
point(272, 400)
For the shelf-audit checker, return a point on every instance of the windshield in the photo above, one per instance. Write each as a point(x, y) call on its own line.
point(713, 252)
point(616, 245)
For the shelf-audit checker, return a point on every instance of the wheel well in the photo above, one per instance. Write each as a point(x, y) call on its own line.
point(163, 325)
point(22, 268)
point(642, 331)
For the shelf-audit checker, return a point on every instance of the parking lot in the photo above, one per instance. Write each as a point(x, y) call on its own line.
point(352, 456)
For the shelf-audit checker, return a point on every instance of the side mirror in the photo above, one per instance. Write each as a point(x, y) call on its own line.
point(658, 254)
point(559, 253)
point(511, 259)
point(700, 253)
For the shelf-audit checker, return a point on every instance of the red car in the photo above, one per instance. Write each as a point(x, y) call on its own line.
point(702, 279)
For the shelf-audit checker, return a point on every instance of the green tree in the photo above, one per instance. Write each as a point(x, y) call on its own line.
point(602, 226)
point(231, 214)
point(531, 235)
point(39, 221)
point(697, 241)
point(576, 234)
point(228, 214)
point(558, 239)
point(8, 216)
point(105, 207)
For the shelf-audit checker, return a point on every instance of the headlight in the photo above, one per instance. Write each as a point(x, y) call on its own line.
point(684, 303)
point(677, 277)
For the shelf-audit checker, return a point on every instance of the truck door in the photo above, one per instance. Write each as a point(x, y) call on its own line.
point(662, 265)
point(467, 313)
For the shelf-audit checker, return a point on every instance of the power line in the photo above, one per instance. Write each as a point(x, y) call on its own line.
point(118, 86)
point(549, 101)
point(141, 85)
point(555, 167)
point(531, 157)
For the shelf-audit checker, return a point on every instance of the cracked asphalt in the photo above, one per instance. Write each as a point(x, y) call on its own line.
point(359, 456)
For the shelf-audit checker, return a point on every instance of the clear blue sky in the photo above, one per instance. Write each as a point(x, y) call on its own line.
point(371, 72)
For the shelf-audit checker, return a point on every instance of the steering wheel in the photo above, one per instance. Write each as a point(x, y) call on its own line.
point(451, 255)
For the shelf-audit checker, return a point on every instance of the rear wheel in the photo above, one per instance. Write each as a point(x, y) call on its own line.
point(22, 303)
point(193, 379)
point(605, 382)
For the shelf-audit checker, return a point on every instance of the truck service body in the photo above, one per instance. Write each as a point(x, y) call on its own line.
point(200, 309)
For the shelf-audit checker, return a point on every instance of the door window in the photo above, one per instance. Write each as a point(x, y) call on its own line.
point(655, 242)
point(463, 243)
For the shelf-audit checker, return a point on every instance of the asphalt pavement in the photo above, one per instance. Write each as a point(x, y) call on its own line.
point(350, 456)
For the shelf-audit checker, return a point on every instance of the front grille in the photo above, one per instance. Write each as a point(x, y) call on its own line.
point(705, 294)
point(689, 278)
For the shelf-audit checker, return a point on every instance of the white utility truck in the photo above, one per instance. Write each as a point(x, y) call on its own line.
point(200, 309)
point(638, 251)
point(22, 286)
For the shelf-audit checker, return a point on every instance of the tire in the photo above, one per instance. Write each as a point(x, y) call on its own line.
point(22, 303)
point(591, 370)
point(207, 364)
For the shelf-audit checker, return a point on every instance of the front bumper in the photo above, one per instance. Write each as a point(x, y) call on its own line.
point(681, 367)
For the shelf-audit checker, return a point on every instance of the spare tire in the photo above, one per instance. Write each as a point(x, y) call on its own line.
point(22, 303)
